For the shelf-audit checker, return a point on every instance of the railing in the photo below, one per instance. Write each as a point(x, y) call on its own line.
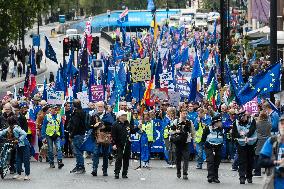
point(106, 36)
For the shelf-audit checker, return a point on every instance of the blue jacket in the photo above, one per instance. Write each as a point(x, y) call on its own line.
point(19, 134)
point(44, 124)
point(274, 118)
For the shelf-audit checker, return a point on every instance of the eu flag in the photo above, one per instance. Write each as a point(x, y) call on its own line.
point(265, 82)
point(49, 52)
point(32, 62)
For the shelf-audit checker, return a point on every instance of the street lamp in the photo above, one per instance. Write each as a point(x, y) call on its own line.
point(108, 16)
point(167, 12)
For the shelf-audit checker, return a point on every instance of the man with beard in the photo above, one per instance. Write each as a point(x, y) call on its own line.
point(244, 132)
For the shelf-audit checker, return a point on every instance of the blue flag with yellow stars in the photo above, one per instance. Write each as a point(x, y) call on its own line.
point(49, 52)
point(265, 82)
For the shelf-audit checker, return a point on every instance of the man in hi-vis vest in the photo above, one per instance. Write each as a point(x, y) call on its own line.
point(52, 132)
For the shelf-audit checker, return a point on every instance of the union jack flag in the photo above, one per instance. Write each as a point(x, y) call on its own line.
point(123, 17)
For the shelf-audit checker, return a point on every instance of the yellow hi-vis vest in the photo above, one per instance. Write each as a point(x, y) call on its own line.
point(53, 125)
point(166, 132)
point(29, 130)
point(129, 116)
point(199, 132)
point(149, 130)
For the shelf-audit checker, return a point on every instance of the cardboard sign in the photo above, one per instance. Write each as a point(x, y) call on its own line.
point(251, 106)
point(158, 95)
point(84, 98)
point(55, 97)
point(97, 93)
point(140, 70)
point(174, 98)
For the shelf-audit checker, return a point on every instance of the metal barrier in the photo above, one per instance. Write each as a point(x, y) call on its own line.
point(107, 37)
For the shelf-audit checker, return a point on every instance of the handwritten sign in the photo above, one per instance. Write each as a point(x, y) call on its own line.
point(97, 93)
point(251, 106)
point(140, 69)
point(55, 97)
point(84, 98)
point(174, 98)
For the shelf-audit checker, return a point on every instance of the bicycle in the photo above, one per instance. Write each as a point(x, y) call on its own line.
point(5, 157)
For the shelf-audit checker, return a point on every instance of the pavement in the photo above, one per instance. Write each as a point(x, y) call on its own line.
point(158, 177)
point(46, 63)
point(16, 80)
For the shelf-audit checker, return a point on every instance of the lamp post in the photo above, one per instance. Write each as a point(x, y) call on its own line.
point(108, 16)
point(167, 13)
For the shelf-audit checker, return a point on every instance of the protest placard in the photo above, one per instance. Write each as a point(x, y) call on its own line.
point(166, 76)
point(251, 106)
point(158, 95)
point(97, 92)
point(140, 70)
point(84, 98)
point(182, 86)
point(55, 97)
point(174, 98)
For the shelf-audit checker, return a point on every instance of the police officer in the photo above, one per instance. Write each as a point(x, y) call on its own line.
point(52, 132)
point(244, 132)
point(212, 138)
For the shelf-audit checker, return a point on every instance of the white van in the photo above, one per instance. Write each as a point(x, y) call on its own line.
point(174, 21)
point(201, 20)
point(186, 18)
point(71, 32)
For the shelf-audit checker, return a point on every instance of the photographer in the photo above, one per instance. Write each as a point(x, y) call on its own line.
point(182, 133)
point(272, 156)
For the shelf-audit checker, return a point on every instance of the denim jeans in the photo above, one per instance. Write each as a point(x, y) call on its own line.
point(96, 156)
point(23, 156)
point(229, 149)
point(77, 143)
point(200, 152)
point(57, 144)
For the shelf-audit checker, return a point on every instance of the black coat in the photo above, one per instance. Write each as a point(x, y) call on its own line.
point(121, 133)
point(77, 123)
point(23, 123)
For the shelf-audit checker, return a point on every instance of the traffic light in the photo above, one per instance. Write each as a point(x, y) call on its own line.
point(66, 46)
point(95, 46)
